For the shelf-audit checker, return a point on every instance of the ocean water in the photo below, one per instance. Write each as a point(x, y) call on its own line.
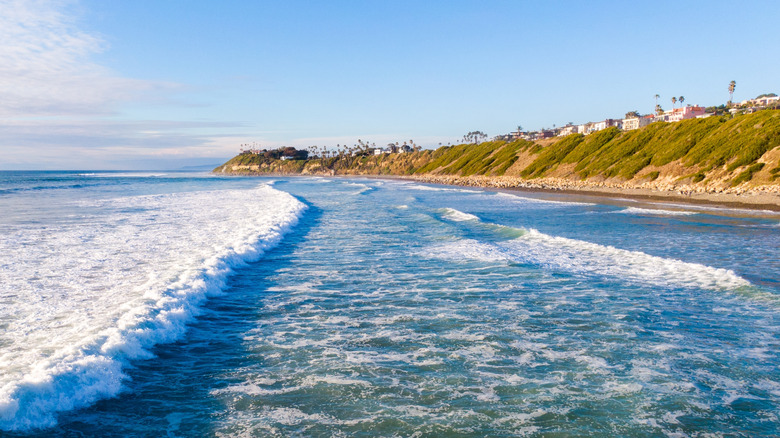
point(186, 304)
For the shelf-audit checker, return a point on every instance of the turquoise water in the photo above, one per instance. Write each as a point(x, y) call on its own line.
point(379, 308)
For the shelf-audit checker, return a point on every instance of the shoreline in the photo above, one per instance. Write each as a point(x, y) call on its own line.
point(767, 200)
point(747, 200)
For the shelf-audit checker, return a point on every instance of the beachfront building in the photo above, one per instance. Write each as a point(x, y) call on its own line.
point(762, 101)
point(632, 123)
point(766, 100)
point(684, 113)
point(545, 133)
point(567, 130)
point(604, 124)
point(517, 135)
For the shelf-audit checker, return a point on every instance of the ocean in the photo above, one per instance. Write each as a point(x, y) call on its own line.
point(189, 304)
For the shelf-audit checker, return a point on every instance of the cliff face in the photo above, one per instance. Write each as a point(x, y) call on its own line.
point(386, 164)
point(713, 154)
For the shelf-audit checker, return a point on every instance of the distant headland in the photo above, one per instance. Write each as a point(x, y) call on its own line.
point(731, 157)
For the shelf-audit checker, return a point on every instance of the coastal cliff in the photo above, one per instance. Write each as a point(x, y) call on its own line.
point(730, 155)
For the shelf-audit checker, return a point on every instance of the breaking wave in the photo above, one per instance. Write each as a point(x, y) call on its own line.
point(92, 296)
point(581, 257)
point(655, 212)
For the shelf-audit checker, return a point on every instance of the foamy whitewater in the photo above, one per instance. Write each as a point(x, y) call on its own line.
point(83, 296)
point(181, 304)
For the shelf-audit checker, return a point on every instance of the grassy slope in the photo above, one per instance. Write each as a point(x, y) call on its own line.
point(489, 158)
point(702, 145)
point(715, 148)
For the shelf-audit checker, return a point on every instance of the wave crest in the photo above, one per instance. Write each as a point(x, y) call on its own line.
point(94, 295)
point(529, 246)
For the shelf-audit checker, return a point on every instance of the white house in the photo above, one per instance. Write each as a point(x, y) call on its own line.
point(760, 101)
point(632, 123)
point(604, 124)
point(568, 129)
point(767, 100)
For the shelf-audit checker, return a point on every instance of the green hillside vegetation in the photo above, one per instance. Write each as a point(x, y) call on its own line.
point(489, 158)
point(697, 151)
point(701, 144)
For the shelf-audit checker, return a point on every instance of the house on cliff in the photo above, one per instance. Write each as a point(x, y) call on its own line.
point(679, 114)
point(632, 123)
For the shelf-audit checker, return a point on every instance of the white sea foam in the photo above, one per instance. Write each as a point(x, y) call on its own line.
point(468, 249)
point(655, 212)
point(440, 189)
point(571, 255)
point(362, 188)
point(528, 199)
point(333, 380)
point(726, 211)
point(82, 299)
point(458, 216)
point(581, 257)
point(126, 175)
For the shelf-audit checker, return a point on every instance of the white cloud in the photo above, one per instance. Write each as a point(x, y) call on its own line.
point(45, 65)
point(103, 144)
point(61, 109)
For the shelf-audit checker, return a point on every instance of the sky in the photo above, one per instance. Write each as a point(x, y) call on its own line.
point(164, 84)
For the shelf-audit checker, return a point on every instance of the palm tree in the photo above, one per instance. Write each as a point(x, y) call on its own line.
point(732, 86)
point(656, 100)
point(674, 100)
point(681, 99)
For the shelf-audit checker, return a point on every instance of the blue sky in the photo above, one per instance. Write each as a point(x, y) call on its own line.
point(162, 84)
